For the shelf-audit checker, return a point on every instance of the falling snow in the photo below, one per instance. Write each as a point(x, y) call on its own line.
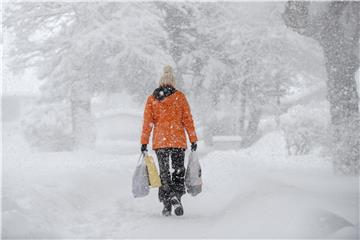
point(273, 89)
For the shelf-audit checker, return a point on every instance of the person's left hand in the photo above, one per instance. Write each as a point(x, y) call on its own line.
point(193, 146)
point(144, 148)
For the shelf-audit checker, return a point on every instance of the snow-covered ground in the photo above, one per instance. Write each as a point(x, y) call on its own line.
point(258, 192)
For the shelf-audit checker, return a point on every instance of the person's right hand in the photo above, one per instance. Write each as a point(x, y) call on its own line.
point(193, 146)
point(143, 148)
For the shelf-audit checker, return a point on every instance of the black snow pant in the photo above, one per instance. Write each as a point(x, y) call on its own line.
point(171, 184)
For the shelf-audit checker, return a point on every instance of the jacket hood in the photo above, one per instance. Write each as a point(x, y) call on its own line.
point(163, 91)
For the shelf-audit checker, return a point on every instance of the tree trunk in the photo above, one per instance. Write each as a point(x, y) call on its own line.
point(179, 78)
point(337, 29)
point(343, 98)
point(341, 63)
point(252, 128)
point(242, 110)
point(84, 133)
point(278, 112)
point(278, 102)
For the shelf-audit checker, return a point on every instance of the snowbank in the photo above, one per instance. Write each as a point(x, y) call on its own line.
point(258, 192)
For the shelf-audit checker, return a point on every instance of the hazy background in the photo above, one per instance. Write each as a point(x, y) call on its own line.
point(273, 89)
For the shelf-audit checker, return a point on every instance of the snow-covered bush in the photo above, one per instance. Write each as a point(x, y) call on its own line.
point(47, 127)
point(305, 128)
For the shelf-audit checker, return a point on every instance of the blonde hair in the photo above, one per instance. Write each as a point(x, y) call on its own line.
point(165, 79)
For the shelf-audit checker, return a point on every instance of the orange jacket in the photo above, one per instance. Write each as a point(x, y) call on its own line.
point(170, 118)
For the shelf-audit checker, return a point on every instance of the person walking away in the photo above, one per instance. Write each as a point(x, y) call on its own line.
point(168, 114)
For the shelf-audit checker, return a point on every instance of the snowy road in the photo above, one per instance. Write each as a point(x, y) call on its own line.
point(246, 194)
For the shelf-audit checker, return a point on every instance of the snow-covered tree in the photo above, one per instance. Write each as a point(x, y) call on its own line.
point(244, 63)
point(234, 70)
point(257, 58)
point(81, 49)
point(336, 27)
point(179, 26)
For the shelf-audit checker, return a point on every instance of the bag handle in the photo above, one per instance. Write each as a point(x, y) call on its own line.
point(141, 155)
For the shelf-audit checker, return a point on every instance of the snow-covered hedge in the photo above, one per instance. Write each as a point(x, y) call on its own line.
point(48, 127)
point(305, 127)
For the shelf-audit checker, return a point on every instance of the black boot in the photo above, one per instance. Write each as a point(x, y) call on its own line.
point(178, 208)
point(167, 208)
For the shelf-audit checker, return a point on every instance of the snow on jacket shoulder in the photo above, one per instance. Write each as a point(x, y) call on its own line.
point(169, 117)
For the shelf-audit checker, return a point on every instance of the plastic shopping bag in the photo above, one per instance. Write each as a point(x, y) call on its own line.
point(140, 180)
point(154, 178)
point(193, 181)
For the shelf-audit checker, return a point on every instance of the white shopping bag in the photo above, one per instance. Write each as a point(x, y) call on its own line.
point(193, 180)
point(140, 180)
